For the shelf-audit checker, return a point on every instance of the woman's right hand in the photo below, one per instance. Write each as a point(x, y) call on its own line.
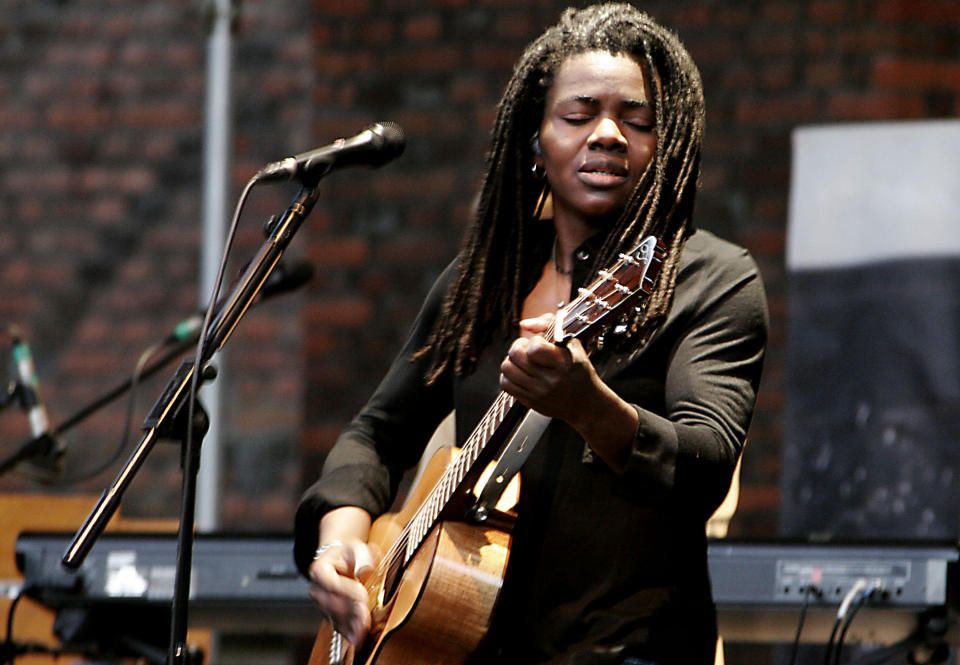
point(336, 586)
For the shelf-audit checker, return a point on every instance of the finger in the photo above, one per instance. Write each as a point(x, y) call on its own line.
point(363, 562)
point(517, 354)
point(575, 347)
point(333, 574)
point(543, 353)
point(350, 619)
point(537, 324)
point(348, 615)
point(514, 382)
point(516, 369)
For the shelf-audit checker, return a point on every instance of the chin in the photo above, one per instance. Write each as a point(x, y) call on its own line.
point(603, 216)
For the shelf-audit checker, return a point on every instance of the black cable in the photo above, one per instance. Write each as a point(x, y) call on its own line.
point(860, 601)
point(853, 593)
point(135, 378)
point(830, 642)
point(8, 648)
point(803, 615)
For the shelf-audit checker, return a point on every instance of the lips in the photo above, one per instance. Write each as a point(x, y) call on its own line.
point(603, 172)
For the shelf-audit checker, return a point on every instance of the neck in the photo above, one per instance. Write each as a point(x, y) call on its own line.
point(568, 238)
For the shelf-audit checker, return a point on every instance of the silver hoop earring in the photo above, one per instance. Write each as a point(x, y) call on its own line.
point(538, 171)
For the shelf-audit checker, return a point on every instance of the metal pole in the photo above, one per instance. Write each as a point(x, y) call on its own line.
point(216, 186)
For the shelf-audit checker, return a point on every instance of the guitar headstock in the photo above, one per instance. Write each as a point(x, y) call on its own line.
point(626, 283)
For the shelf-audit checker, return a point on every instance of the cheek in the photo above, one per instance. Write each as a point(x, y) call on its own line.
point(645, 148)
point(557, 164)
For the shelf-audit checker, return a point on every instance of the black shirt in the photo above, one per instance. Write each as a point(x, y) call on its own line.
point(603, 565)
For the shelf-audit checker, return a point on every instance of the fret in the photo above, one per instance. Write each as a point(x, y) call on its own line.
point(635, 272)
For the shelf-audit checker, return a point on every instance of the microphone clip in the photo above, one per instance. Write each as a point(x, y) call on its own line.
point(18, 394)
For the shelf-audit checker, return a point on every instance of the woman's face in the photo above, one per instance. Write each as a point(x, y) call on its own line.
point(597, 136)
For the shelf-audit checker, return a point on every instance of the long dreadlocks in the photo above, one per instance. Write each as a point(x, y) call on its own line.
point(500, 258)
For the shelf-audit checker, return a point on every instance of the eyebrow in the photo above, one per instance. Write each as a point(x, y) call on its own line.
point(630, 103)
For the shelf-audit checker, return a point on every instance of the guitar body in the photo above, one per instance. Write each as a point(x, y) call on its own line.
point(440, 609)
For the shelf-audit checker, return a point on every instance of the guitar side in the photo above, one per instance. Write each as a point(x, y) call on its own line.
point(443, 601)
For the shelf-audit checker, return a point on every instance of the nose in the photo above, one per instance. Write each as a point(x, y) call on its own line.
point(606, 134)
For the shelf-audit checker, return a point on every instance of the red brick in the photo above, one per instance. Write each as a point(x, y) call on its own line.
point(423, 27)
point(826, 11)
point(779, 12)
point(63, 116)
point(340, 252)
point(816, 42)
point(695, 16)
point(875, 106)
point(492, 57)
point(766, 241)
point(773, 42)
point(784, 110)
point(869, 40)
point(777, 76)
point(907, 73)
point(758, 498)
point(335, 63)
point(515, 25)
point(157, 115)
point(713, 48)
point(342, 8)
point(734, 18)
point(823, 74)
point(349, 312)
point(926, 11)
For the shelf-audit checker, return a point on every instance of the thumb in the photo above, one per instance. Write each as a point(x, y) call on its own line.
point(364, 561)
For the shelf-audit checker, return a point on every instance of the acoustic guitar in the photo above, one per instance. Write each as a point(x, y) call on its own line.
point(433, 591)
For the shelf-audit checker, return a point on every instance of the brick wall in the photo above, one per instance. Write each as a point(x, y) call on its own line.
point(101, 143)
point(101, 138)
point(101, 135)
point(438, 68)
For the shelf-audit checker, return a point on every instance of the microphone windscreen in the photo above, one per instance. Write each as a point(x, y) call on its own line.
point(394, 141)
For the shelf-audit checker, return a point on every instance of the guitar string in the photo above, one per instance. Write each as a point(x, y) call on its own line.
point(444, 487)
point(454, 473)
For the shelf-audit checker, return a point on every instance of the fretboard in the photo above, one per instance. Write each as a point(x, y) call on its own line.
point(426, 516)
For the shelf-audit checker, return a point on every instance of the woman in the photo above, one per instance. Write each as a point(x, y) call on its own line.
point(602, 123)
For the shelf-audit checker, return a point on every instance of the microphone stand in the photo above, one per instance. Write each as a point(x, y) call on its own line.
point(42, 445)
point(167, 419)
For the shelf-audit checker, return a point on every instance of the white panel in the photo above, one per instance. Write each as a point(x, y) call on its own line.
point(871, 192)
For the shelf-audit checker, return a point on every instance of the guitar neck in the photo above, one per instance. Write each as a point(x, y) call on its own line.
point(498, 421)
point(630, 280)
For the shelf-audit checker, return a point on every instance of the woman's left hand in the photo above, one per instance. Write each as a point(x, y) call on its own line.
point(557, 381)
point(561, 382)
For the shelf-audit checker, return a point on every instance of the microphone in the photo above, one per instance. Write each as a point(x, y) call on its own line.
point(48, 450)
point(374, 146)
point(284, 279)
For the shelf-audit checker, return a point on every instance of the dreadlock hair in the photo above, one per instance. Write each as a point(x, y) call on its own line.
point(501, 259)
